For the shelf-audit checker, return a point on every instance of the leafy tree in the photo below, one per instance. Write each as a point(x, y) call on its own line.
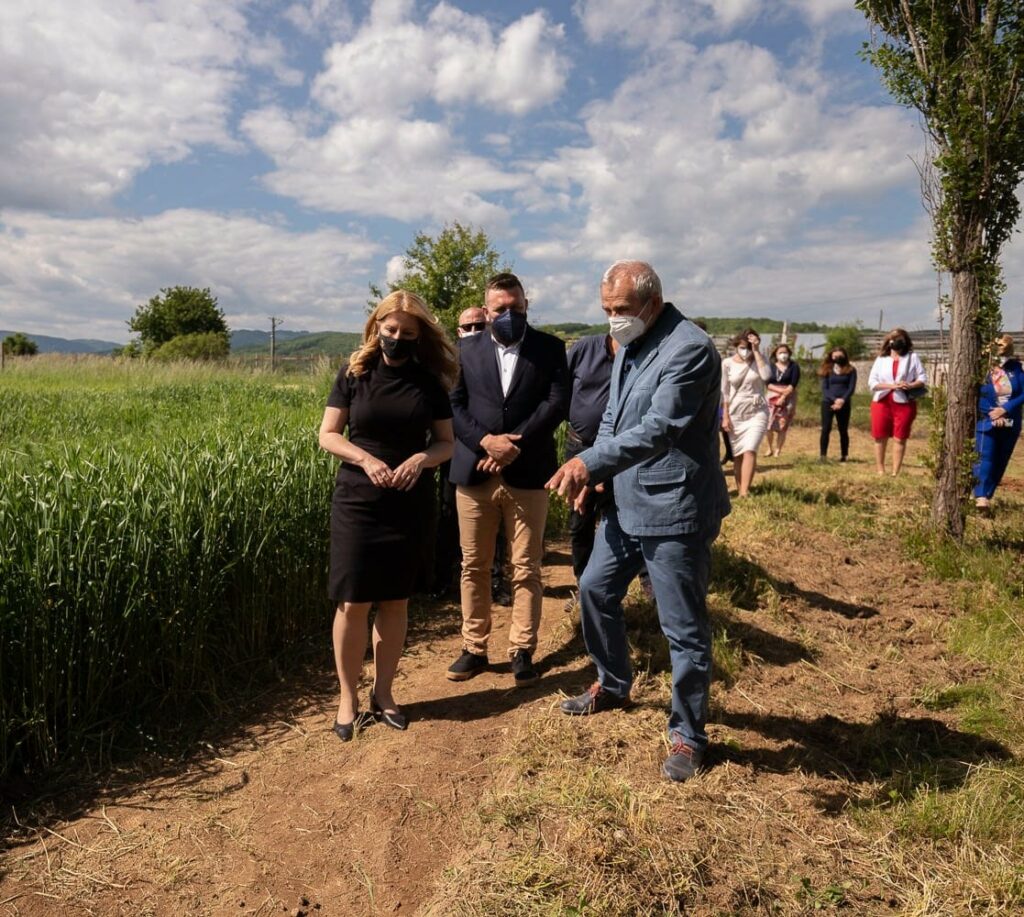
point(177, 311)
point(449, 272)
point(129, 351)
point(849, 337)
point(210, 345)
point(960, 63)
point(20, 345)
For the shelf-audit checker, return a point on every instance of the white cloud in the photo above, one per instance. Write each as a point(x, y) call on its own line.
point(84, 277)
point(395, 270)
point(367, 151)
point(453, 58)
point(267, 52)
point(316, 17)
point(94, 91)
point(407, 170)
point(834, 275)
point(710, 158)
point(640, 23)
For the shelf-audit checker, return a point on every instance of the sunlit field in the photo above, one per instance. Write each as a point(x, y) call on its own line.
point(164, 535)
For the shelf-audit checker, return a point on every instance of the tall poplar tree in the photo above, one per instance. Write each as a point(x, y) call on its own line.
point(960, 63)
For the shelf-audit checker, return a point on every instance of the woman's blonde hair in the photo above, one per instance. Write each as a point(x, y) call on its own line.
point(1007, 341)
point(435, 352)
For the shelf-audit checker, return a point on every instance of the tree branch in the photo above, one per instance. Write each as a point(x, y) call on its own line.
point(915, 39)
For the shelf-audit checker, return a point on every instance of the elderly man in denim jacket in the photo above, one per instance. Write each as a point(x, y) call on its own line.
point(657, 449)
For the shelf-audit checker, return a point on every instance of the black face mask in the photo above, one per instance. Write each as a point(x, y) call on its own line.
point(899, 346)
point(840, 361)
point(398, 348)
point(509, 327)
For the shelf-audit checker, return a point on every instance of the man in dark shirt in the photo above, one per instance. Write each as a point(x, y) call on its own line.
point(590, 374)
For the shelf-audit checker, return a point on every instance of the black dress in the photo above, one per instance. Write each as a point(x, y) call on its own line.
point(377, 532)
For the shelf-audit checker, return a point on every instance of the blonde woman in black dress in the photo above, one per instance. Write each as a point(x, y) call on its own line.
point(392, 399)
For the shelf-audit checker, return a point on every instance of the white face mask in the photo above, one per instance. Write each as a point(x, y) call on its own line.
point(782, 357)
point(469, 334)
point(625, 329)
point(743, 352)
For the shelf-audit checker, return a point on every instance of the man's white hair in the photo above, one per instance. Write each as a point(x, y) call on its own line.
point(645, 280)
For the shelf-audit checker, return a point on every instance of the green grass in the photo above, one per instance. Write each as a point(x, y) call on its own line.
point(580, 824)
point(165, 537)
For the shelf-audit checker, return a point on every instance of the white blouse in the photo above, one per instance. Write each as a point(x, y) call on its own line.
point(910, 370)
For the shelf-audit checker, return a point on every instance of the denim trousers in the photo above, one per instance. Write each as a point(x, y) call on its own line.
point(679, 567)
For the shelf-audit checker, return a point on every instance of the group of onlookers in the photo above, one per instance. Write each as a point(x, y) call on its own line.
point(759, 399)
point(645, 403)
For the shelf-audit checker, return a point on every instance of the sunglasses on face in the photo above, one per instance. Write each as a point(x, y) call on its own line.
point(473, 326)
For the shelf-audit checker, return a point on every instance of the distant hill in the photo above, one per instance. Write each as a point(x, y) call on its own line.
point(296, 343)
point(246, 339)
point(63, 345)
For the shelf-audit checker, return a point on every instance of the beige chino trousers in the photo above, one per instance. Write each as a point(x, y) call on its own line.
point(524, 511)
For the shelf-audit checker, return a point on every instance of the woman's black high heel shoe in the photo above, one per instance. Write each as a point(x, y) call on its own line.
point(346, 731)
point(394, 720)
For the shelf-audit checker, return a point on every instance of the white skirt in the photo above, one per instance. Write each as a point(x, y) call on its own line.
point(746, 434)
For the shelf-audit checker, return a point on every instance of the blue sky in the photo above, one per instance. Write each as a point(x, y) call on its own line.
point(285, 153)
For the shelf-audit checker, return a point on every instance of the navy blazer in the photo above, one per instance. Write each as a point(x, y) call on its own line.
point(658, 440)
point(537, 402)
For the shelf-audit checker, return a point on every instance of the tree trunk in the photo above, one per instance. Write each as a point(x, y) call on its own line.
point(952, 489)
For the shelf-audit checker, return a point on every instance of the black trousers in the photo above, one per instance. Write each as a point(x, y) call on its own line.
point(842, 418)
point(582, 530)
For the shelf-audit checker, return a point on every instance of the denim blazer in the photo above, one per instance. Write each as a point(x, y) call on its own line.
point(658, 439)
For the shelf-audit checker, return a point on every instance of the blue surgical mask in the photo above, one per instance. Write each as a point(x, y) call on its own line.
point(509, 327)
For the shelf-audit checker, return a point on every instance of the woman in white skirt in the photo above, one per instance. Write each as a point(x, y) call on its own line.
point(744, 406)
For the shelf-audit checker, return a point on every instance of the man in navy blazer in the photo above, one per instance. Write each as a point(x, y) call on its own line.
point(511, 396)
point(657, 449)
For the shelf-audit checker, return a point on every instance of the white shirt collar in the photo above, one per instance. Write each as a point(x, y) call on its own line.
point(507, 348)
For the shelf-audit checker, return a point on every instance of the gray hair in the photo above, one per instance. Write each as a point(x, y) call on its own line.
point(646, 282)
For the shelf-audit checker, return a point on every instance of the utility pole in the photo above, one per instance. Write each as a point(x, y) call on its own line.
point(881, 312)
point(274, 322)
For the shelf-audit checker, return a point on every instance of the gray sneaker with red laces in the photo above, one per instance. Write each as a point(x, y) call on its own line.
point(683, 761)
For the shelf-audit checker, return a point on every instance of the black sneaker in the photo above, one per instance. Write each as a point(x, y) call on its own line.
point(522, 668)
point(594, 700)
point(466, 666)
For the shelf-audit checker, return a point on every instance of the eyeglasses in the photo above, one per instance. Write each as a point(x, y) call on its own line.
point(473, 326)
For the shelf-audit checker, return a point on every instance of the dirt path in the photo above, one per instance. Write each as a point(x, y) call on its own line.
point(288, 814)
point(838, 645)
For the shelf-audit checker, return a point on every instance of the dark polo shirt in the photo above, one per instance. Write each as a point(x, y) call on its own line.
point(590, 374)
